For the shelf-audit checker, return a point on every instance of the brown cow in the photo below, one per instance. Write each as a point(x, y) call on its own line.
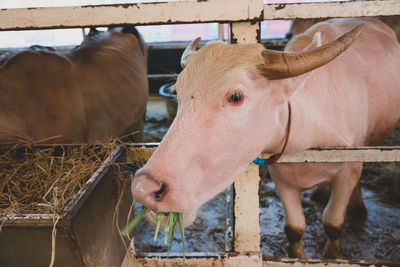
point(236, 101)
point(94, 92)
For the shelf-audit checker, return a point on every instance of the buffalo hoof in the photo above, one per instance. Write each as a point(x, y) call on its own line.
point(332, 250)
point(296, 250)
point(296, 247)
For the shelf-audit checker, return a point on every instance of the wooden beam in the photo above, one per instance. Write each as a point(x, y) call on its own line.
point(138, 14)
point(186, 12)
point(332, 9)
point(246, 187)
point(341, 154)
point(247, 211)
point(351, 154)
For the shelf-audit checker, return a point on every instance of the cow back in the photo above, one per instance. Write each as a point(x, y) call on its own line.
point(111, 72)
point(38, 98)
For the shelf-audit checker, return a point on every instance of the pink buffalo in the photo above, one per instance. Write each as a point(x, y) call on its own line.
point(235, 101)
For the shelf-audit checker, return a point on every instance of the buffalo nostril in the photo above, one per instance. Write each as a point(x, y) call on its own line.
point(160, 193)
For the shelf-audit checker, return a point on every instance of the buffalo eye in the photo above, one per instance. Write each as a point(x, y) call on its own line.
point(236, 98)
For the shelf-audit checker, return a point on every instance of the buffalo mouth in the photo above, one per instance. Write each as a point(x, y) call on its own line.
point(152, 217)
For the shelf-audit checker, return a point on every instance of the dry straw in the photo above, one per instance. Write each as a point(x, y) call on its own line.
point(43, 180)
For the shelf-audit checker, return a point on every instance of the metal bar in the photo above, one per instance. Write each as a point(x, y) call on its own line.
point(247, 210)
point(186, 12)
point(245, 32)
point(27, 219)
point(234, 259)
point(220, 32)
point(187, 255)
point(162, 76)
point(351, 154)
point(268, 261)
point(192, 259)
point(142, 153)
point(140, 13)
point(173, 45)
point(332, 9)
point(246, 200)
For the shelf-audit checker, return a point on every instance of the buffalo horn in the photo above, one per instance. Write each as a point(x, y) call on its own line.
point(190, 50)
point(280, 65)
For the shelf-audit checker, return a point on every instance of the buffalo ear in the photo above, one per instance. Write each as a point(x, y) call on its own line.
point(315, 43)
point(190, 50)
point(281, 65)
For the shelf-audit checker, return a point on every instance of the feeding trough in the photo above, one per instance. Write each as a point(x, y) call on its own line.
point(84, 232)
point(168, 92)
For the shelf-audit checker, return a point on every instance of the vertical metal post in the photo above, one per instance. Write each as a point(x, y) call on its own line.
point(246, 207)
point(221, 31)
point(245, 32)
point(247, 211)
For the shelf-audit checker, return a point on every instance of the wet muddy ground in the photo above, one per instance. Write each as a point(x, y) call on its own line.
point(376, 238)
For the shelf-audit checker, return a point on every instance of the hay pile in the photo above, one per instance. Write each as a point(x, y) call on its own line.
point(43, 180)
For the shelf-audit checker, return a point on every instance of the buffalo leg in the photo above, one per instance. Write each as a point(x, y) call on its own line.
point(334, 213)
point(295, 221)
point(356, 208)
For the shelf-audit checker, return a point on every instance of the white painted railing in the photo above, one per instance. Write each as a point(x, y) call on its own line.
point(186, 12)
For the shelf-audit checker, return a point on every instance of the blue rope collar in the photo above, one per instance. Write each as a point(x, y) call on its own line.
point(259, 161)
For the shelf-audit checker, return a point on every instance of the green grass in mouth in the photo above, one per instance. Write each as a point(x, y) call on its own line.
point(169, 228)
